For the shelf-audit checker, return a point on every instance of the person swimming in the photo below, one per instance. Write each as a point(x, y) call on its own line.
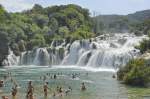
point(73, 76)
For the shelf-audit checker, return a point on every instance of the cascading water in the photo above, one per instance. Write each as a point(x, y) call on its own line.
point(11, 59)
point(105, 51)
point(41, 56)
point(72, 57)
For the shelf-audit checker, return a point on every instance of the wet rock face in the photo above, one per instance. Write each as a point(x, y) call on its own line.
point(88, 57)
point(44, 59)
point(3, 50)
point(94, 46)
point(113, 45)
point(3, 54)
point(122, 41)
point(2, 57)
point(61, 52)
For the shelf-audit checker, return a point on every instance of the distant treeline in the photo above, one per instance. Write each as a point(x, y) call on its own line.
point(120, 23)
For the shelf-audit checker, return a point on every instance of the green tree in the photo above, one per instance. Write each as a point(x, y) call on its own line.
point(63, 31)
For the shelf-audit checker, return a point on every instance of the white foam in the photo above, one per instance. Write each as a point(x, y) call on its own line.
point(85, 68)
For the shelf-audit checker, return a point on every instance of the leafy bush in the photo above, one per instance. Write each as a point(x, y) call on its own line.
point(136, 73)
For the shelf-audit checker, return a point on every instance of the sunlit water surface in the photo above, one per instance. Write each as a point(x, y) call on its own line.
point(99, 82)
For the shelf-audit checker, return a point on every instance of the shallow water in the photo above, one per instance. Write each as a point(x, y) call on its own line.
point(100, 84)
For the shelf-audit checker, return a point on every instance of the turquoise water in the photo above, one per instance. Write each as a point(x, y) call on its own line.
point(99, 84)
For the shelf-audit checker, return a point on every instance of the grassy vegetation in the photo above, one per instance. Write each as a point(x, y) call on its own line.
point(138, 93)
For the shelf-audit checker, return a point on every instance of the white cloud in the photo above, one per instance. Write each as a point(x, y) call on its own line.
point(16, 5)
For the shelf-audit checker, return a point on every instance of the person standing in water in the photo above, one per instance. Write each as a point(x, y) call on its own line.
point(68, 90)
point(1, 83)
point(14, 92)
point(55, 76)
point(30, 90)
point(83, 88)
point(45, 87)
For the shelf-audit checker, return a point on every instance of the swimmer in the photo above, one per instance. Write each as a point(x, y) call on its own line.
point(40, 77)
point(113, 76)
point(83, 88)
point(73, 76)
point(55, 76)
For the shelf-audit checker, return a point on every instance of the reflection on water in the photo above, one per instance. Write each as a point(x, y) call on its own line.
point(100, 85)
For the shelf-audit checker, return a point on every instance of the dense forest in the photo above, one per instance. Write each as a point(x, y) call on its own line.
point(120, 23)
point(39, 26)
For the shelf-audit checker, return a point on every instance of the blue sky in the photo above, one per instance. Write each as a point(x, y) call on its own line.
point(99, 6)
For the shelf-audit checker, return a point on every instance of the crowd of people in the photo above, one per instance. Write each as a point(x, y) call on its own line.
point(30, 88)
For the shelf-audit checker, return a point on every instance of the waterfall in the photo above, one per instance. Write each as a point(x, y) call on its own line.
point(105, 51)
point(11, 59)
point(42, 57)
point(73, 56)
point(84, 58)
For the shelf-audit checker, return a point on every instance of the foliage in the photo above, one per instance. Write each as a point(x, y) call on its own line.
point(143, 28)
point(39, 26)
point(122, 23)
point(144, 45)
point(135, 73)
